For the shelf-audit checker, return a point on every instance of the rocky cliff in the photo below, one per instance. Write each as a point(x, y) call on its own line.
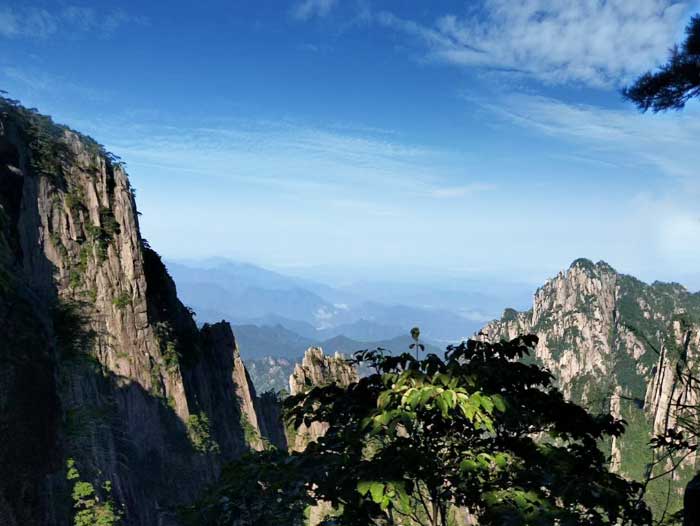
point(100, 360)
point(316, 369)
point(617, 344)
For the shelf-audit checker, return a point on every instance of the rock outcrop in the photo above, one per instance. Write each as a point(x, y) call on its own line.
point(100, 360)
point(317, 369)
point(616, 344)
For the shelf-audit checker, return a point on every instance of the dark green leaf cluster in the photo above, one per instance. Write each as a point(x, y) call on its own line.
point(199, 432)
point(49, 151)
point(261, 488)
point(92, 507)
point(478, 430)
point(676, 82)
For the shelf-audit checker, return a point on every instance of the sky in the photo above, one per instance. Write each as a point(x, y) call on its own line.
point(379, 138)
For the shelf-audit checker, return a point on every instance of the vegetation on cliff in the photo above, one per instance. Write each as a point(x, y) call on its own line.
point(477, 433)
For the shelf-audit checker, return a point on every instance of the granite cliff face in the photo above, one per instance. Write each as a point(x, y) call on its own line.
point(100, 360)
point(616, 344)
point(316, 369)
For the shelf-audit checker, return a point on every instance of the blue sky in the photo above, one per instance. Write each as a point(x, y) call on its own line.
point(381, 138)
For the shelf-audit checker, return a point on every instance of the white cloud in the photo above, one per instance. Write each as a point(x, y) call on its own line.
point(28, 80)
point(347, 166)
point(39, 23)
point(658, 222)
point(666, 142)
point(307, 9)
point(595, 42)
point(467, 190)
point(9, 25)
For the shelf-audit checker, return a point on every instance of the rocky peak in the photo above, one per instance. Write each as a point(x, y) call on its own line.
point(317, 369)
point(97, 344)
point(613, 343)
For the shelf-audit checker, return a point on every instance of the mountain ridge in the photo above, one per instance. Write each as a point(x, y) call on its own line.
point(102, 363)
point(612, 343)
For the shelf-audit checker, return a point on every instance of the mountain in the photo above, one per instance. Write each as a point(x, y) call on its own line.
point(259, 341)
point(270, 352)
point(250, 295)
point(276, 341)
point(101, 362)
point(620, 345)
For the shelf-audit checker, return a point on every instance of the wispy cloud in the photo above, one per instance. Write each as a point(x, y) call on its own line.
point(595, 42)
point(285, 155)
point(306, 9)
point(622, 138)
point(468, 190)
point(40, 23)
point(25, 80)
point(658, 220)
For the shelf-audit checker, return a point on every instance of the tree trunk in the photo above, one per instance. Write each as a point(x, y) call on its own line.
point(691, 502)
point(435, 518)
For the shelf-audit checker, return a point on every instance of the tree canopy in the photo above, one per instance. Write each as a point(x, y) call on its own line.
point(675, 82)
point(478, 433)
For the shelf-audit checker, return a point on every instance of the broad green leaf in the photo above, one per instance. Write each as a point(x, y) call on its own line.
point(377, 491)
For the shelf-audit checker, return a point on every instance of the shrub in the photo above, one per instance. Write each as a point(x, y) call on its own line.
point(122, 300)
point(92, 507)
point(199, 432)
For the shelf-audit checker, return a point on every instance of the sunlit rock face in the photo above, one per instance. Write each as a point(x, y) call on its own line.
point(102, 362)
point(317, 369)
point(613, 344)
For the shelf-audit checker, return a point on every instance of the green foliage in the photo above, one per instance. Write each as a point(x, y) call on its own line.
point(58, 244)
point(676, 82)
point(122, 300)
point(171, 357)
point(101, 235)
point(419, 441)
point(73, 337)
point(478, 430)
point(110, 226)
point(94, 232)
point(199, 432)
point(91, 295)
point(75, 199)
point(261, 488)
point(74, 279)
point(167, 342)
point(157, 388)
point(49, 151)
point(84, 258)
point(585, 264)
point(250, 434)
point(510, 315)
point(92, 507)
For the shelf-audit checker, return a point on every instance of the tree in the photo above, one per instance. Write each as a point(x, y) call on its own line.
point(478, 431)
point(261, 489)
point(91, 508)
point(676, 82)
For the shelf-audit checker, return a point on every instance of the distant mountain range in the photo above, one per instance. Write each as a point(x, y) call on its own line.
point(257, 342)
point(249, 295)
point(276, 317)
point(270, 352)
